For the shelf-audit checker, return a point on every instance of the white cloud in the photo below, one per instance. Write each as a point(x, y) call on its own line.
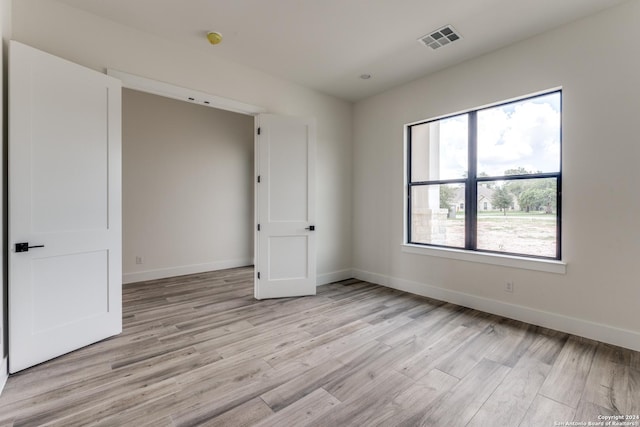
point(521, 135)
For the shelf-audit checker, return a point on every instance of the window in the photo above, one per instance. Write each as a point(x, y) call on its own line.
point(488, 180)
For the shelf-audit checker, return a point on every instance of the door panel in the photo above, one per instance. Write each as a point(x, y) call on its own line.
point(288, 257)
point(61, 201)
point(85, 279)
point(285, 208)
point(288, 172)
point(65, 196)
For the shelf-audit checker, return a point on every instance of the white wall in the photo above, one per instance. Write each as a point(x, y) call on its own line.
point(596, 61)
point(187, 173)
point(99, 44)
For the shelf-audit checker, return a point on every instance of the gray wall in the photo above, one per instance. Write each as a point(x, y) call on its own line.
point(187, 187)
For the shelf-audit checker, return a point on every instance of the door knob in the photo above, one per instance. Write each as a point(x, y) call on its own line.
point(311, 228)
point(24, 247)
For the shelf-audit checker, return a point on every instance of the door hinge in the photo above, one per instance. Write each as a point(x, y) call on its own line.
point(258, 274)
point(258, 227)
point(258, 131)
point(258, 178)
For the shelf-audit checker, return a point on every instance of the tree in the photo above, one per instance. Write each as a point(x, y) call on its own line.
point(538, 194)
point(502, 199)
point(486, 184)
point(519, 171)
point(446, 196)
point(530, 199)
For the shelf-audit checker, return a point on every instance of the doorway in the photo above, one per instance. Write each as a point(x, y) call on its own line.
point(187, 187)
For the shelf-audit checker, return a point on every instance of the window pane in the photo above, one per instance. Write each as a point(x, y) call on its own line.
point(521, 217)
point(439, 149)
point(436, 217)
point(521, 137)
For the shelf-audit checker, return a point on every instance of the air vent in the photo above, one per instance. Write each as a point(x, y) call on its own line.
point(440, 37)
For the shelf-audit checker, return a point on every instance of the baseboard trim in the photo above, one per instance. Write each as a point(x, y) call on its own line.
point(334, 276)
point(163, 273)
point(4, 374)
point(584, 328)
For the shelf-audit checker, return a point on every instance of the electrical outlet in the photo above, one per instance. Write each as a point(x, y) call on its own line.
point(139, 260)
point(508, 287)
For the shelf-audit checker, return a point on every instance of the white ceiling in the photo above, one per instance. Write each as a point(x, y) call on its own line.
point(327, 44)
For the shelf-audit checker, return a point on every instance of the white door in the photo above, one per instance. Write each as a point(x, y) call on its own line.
point(65, 266)
point(285, 207)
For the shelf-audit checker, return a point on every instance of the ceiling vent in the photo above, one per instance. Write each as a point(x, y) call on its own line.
point(440, 37)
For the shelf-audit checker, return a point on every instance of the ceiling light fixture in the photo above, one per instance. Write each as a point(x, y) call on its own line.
point(365, 76)
point(214, 37)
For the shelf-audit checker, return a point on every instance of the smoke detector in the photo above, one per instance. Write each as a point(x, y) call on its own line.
point(440, 37)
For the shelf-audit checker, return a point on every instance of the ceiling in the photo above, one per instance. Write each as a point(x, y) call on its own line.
point(327, 44)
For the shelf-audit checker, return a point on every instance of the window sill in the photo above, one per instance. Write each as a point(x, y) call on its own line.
point(548, 266)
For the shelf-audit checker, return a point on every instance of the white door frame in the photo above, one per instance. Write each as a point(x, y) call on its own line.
point(144, 84)
point(167, 90)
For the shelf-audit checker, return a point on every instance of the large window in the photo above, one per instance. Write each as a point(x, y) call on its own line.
point(488, 180)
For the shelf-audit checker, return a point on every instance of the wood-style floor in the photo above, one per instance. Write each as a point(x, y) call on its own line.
point(199, 350)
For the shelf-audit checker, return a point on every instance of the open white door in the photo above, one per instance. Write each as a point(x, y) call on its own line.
point(65, 243)
point(285, 207)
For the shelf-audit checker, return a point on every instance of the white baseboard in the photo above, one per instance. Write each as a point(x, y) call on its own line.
point(162, 273)
point(4, 374)
point(584, 328)
point(334, 276)
point(141, 276)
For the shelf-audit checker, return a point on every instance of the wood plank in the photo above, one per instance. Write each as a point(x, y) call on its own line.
point(296, 389)
point(509, 403)
point(248, 414)
point(467, 356)
point(203, 403)
point(607, 381)
point(632, 405)
point(516, 338)
point(547, 412)
point(335, 348)
point(303, 412)
point(459, 406)
point(589, 412)
point(416, 400)
point(361, 408)
point(567, 379)
point(435, 349)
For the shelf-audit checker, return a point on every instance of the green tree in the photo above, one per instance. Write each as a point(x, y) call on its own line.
point(530, 199)
point(502, 199)
point(538, 195)
point(519, 171)
point(446, 196)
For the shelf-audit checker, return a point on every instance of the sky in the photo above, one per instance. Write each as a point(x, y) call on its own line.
point(521, 134)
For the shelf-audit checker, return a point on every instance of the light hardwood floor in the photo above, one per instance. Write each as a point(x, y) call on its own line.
point(199, 350)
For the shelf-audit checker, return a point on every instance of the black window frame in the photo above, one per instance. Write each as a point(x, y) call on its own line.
point(472, 181)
